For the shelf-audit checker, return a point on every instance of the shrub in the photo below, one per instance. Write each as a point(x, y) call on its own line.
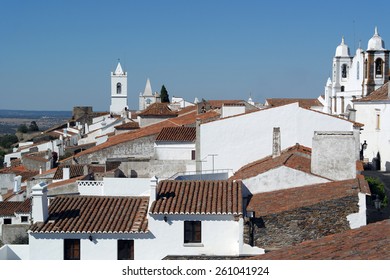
point(377, 188)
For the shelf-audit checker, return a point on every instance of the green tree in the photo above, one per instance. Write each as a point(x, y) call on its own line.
point(164, 95)
point(33, 127)
point(377, 188)
point(7, 140)
point(23, 128)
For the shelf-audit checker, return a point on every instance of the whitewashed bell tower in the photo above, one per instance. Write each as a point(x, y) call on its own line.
point(118, 91)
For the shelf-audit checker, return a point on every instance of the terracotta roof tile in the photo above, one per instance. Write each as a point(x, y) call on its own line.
point(159, 110)
point(198, 197)
point(9, 208)
point(297, 157)
point(65, 182)
point(303, 102)
point(74, 171)
point(186, 119)
point(371, 242)
point(19, 171)
point(128, 126)
point(177, 134)
point(381, 94)
point(95, 214)
point(284, 200)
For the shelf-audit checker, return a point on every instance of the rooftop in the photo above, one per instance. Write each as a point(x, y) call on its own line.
point(198, 197)
point(158, 110)
point(177, 134)
point(284, 200)
point(9, 208)
point(371, 242)
point(303, 102)
point(381, 94)
point(95, 214)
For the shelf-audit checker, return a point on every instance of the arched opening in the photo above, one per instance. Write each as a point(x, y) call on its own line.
point(344, 71)
point(365, 69)
point(378, 67)
point(118, 88)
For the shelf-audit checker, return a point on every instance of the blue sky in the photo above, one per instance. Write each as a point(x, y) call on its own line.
point(59, 54)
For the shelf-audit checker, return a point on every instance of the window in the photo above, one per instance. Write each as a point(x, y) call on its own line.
point(71, 249)
point(358, 71)
point(378, 67)
point(7, 221)
point(118, 88)
point(365, 69)
point(125, 249)
point(344, 71)
point(378, 121)
point(342, 88)
point(24, 219)
point(342, 104)
point(192, 232)
point(193, 155)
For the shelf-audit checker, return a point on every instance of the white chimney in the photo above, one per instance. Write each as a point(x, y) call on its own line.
point(153, 190)
point(276, 144)
point(17, 183)
point(65, 173)
point(40, 210)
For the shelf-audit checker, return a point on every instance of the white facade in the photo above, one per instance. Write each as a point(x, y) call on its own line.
point(239, 140)
point(116, 187)
point(376, 131)
point(174, 151)
point(118, 91)
point(281, 178)
point(356, 76)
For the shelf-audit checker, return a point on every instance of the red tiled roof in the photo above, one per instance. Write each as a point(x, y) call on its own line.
point(74, 171)
point(371, 242)
point(95, 214)
point(177, 134)
point(296, 157)
point(198, 197)
point(39, 156)
point(267, 203)
point(381, 94)
point(303, 102)
point(9, 208)
point(65, 182)
point(127, 126)
point(158, 110)
point(19, 171)
point(186, 119)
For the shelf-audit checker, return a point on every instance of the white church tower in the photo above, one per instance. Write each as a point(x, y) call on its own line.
point(118, 91)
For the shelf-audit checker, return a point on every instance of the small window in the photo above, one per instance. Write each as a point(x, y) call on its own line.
point(7, 221)
point(24, 219)
point(118, 88)
point(193, 155)
point(344, 71)
point(192, 232)
point(342, 88)
point(358, 71)
point(125, 249)
point(71, 249)
point(378, 121)
point(378, 67)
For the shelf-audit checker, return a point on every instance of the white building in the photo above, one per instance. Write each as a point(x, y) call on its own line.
point(183, 218)
point(356, 76)
point(118, 91)
point(233, 142)
point(147, 97)
point(373, 110)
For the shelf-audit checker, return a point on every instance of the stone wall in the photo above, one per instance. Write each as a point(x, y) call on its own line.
point(306, 223)
point(12, 232)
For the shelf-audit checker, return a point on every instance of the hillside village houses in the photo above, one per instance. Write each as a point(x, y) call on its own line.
point(209, 179)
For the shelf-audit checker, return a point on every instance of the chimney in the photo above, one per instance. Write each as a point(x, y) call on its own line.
point(40, 211)
point(153, 190)
point(198, 162)
point(66, 173)
point(352, 115)
point(17, 183)
point(40, 169)
point(276, 144)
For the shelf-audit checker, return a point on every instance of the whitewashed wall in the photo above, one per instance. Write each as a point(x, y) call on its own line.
point(173, 151)
point(279, 179)
point(378, 140)
point(240, 140)
point(359, 219)
point(116, 187)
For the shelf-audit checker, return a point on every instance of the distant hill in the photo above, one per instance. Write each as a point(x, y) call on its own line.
point(11, 119)
point(24, 114)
